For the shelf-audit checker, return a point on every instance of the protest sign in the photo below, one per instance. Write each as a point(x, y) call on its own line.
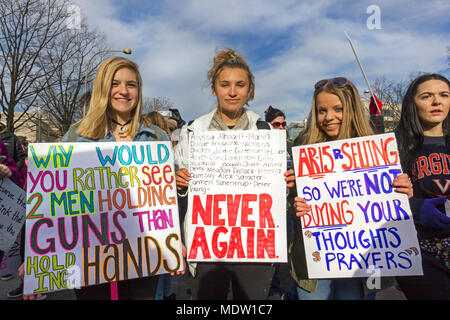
point(12, 213)
point(358, 224)
point(99, 213)
point(237, 196)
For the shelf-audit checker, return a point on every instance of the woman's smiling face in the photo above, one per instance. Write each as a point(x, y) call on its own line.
point(124, 93)
point(329, 113)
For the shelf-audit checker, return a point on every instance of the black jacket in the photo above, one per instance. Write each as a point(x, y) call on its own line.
point(13, 146)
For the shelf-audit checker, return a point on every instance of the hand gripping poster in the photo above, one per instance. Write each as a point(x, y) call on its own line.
point(237, 196)
point(358, 225)
point(99, 212)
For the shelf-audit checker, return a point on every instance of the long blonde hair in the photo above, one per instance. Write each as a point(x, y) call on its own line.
point(94, 124)
point(354, 121)
point(155, 118)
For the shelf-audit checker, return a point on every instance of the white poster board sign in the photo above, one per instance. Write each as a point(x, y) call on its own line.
point(12, 213)
point(99, 213)
point(237, 196)
point(358, 225)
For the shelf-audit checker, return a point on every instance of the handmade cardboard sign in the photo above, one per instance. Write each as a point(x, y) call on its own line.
point(99, 213)
point(12, 213)
point(237, 196)
point(358, 225)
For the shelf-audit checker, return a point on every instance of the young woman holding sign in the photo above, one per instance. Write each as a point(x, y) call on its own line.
point(232, 84)
point(114, 115)
point(423, 137)
point(336, 114)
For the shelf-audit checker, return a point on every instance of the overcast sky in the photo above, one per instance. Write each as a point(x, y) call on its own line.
point(289, 44)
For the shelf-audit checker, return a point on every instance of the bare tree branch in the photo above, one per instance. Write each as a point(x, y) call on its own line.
point(29, 32)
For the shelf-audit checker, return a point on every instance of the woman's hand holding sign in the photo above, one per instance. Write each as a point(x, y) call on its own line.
point(402, 184)
point(182, 178)
point(301, 206)
point(289, 178)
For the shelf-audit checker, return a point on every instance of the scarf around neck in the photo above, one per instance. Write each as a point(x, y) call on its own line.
point(218, 124)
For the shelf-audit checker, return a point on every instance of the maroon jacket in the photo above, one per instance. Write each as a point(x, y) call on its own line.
point(11, 164)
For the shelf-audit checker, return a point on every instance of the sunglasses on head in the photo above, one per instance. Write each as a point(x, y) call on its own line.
point(339, 82)
point(277, 124)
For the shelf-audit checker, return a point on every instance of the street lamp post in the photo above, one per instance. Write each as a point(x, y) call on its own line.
point(126, 51)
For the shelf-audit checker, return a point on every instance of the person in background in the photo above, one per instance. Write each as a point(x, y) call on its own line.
point(336, 113)
point(17, 292)
point(277, 120)
point(8, 170)
point(175, 137)
point(176, 116)
point(15, 151)
point(423, 136)
point(156, 119)
point(232, 83)
point(275, 117)
point(13, 146)
point(172, 124)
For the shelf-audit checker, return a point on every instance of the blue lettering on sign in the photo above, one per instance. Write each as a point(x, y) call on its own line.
point(362, 239)
point(345, 189)
point(337, 154)
point(386, 210)
point(127, 155)
point(375, 259)
point(373, 184)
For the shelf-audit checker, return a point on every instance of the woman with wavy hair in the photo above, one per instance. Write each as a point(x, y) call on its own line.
point(347, 124)
point(114, 115)
point(115, 103)
point(336, 113)
point(232, 83)
point(423, 137)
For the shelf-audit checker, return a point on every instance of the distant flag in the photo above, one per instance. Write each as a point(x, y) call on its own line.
point(375, 105)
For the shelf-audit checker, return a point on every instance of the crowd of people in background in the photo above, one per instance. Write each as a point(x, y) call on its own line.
point(115, 114)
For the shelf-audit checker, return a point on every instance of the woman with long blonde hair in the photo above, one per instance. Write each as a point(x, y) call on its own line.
point(336, 113)
point(114, 112)
point(353, 122)
point(114, 115)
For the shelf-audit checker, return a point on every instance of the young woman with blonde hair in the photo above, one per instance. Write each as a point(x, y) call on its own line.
point(336, 114)
point(114, 115)
point(352, 123)
point(232, 83)
point(157, 119)
point(115, 103)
